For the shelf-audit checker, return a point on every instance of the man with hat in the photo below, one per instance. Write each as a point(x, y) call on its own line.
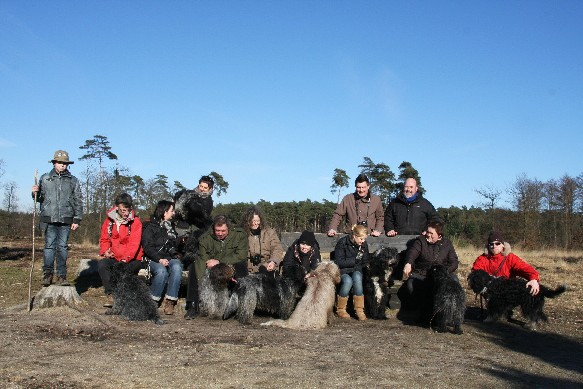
point(499, 261)
point(61, 210)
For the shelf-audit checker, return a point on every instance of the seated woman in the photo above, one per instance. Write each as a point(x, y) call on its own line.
point(305, 251)
point(265, 251)
point(426, 251)
point(159, 240)
point(351, 255)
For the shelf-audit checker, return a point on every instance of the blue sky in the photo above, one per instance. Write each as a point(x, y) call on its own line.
point(275, 95)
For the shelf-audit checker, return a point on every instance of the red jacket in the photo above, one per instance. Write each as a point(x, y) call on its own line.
point(124, 239)
point(514, 266)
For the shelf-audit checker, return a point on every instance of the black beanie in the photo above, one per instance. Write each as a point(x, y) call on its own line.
point(495, 236)
point(308, 238)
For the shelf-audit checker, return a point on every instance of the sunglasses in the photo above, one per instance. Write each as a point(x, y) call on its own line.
point(494, 244)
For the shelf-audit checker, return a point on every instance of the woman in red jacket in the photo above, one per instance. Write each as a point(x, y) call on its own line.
point(120, 241)
point(500, 262)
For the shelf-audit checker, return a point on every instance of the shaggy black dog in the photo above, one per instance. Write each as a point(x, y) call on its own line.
point(504, 294)
point(377, 277)
point(214, 290)
point(262, 292)
point(448, 300)
point(131, 296)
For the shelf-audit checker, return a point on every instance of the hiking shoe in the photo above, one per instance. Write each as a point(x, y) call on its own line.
point(47, 279)
point(62, 281)
point(108, 301)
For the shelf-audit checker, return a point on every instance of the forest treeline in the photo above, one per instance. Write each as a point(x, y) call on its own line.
point(541, 215)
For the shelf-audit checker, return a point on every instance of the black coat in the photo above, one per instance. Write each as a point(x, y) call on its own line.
point(349, 257)
point(157, 244)
point(409, 218)
point(309, 261)
point(422, 255)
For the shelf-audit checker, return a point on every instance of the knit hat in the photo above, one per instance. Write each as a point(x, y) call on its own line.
point(61, 156)
point(308, 238)
point(495, 236)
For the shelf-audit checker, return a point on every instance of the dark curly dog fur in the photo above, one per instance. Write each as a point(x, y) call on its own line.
point(448, 300)
point(214, 290)
point(314, 311)
point(502, 295)
point(265, 293)
point(131, 296)
point(377, 280)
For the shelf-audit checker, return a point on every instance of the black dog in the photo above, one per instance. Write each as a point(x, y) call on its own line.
point(265, 293)
point(377, 277)
point(131, 296)
point(504, 294)
point(448, 299)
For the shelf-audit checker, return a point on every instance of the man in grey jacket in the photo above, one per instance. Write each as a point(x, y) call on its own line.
point(61, 210)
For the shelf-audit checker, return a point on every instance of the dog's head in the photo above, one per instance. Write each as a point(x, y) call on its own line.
point(383, 261)
point(119, 271)
point(478, 280)
point(295, 272)
point(437, 272)
point(328, 270)
point(221, 274)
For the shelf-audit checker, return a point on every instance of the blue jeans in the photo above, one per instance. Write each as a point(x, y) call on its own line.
point(351, 281)
point(56, 237)
point(162, 275)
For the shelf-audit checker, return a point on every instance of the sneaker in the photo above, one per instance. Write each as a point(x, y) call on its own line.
point(47, 279)
point(62, 281)
point(108, 302)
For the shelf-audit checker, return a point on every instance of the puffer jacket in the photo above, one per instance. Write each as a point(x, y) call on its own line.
point(60, 198)
point(422, 255)
point(513, 266)
point(349, 257)
point(409, 218)
point(157, 243)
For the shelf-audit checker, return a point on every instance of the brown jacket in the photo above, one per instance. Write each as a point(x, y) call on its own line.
point(355, 211)
point(267, 244)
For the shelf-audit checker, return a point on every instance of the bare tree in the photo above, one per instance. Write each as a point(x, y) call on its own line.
point(491, 195)
point(10, 198)
point(527, 199)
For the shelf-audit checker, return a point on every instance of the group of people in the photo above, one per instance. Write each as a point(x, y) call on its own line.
point(181, 234)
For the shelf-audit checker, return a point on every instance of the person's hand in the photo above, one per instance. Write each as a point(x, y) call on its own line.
point(331, 232)
point(375, 233)
point(534, 287)
point(271, 266)
point(108, 254)
point(164, 262)
point(407, 270)
point(74, 226)
point(391, 233)
point(34, 188)
point(212, 263)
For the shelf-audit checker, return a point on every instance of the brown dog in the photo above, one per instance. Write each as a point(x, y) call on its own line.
point(314, 311)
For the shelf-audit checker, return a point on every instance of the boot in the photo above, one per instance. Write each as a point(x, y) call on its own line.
point(169, 306)
point(108, 301)
point(47, 279)
point(191, 310)
point(341, 307)
point(62, 281)
point(359, 307)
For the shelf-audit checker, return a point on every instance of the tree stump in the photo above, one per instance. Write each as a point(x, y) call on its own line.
point(57, 296)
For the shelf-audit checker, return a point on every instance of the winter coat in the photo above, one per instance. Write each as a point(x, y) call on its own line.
point(349, 257)
point(266, 244)
point(409, 218)
point(124, 239)
point(309, 260)
point(60, 198)
point(157, 243)
point(357, 210)
point(514, 266)
point(422, 255)
point(234, 248)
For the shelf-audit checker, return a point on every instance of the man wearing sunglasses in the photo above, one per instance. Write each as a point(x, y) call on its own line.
point(500, 262)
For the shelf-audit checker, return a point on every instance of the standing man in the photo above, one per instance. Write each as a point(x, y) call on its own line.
point(61, 211)
point(360, 207)
point(409, 213)
point(221, 244)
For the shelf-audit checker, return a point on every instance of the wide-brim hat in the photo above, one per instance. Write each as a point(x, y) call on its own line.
point(61, 156)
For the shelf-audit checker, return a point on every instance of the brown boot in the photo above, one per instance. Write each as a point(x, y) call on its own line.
point(62, 281)
point(341, 307)
point(169, 306)
point(359, 307)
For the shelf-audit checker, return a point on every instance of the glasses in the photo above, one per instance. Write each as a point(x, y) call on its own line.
point(494, 244)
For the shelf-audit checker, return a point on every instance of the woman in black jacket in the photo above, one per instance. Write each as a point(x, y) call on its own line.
point(161, 248)
point(351, 255)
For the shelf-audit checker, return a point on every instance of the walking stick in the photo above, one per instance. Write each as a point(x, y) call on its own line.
point(33, 246)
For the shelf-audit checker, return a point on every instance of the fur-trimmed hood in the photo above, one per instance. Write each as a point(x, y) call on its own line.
point(507, 249)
